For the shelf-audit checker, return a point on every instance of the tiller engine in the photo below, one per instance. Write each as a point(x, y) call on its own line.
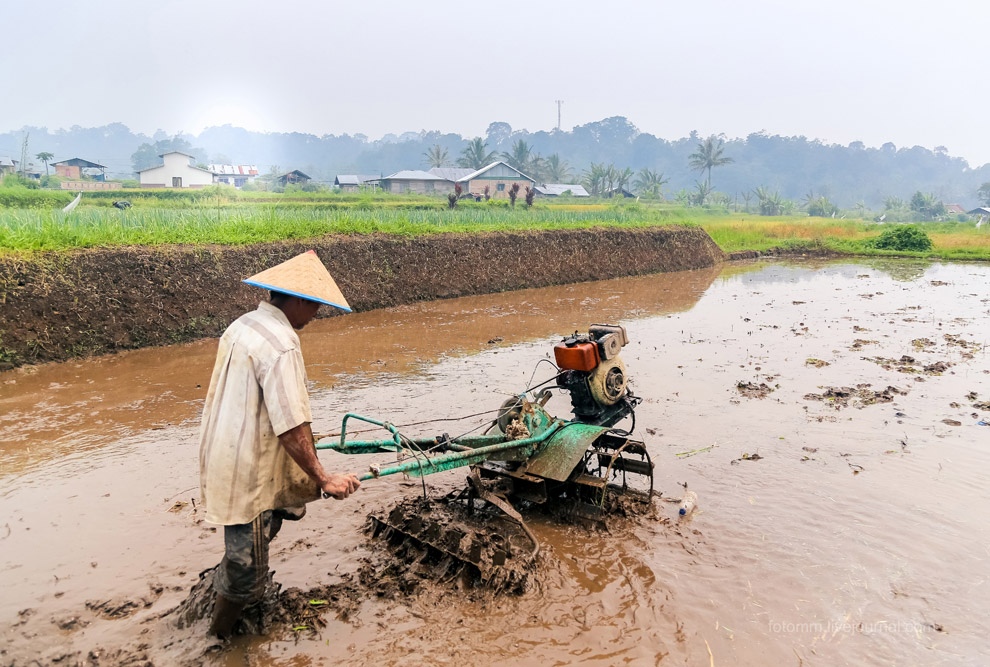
point(581, 468)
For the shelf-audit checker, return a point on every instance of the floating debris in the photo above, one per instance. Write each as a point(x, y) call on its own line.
point(956, 341)
point(753, 390)
point(860, 396)
point(906, 364)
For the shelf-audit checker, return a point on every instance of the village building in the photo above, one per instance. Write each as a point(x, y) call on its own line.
point(175, 172)
point(983, 210)
point(451, 173)
point(954, 208)
point(88, 186)
point(619, 192)
point(420, 182)
point(561, 190)
point(8, 165)
point(498, 177)
point(76, 168)
point(355, 182)
point(294, 177)
point(237, 175)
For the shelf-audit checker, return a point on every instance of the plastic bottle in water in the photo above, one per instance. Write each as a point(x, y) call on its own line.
point(688, 503)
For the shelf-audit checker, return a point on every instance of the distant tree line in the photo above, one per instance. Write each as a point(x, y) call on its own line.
point(758, 172)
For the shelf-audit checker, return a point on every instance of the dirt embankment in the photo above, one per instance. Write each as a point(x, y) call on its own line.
point(59, 305)
point(812, 249)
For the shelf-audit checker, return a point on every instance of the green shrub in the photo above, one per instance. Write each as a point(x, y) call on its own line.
point(822, 208)
point(903, 237)
point(13, 180)
point(21, 197)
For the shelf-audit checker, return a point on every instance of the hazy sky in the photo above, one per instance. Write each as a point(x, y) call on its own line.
point(909, 72)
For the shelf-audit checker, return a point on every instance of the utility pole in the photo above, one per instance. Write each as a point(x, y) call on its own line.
point(24, 156)
point(559, 102)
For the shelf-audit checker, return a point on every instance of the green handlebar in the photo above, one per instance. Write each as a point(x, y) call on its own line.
point(350, 415)
point(466, 451)
point(425, 465)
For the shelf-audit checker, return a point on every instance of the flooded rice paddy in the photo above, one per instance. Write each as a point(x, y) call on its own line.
point(831, 416)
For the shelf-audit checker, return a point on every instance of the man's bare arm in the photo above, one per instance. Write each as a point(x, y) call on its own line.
point(298, 442)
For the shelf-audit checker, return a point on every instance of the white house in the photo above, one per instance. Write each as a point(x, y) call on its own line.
point(176, 172)
point(237, 175)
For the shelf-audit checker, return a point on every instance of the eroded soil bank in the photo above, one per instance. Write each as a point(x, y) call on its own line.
point(59, 305)
point(841, 520)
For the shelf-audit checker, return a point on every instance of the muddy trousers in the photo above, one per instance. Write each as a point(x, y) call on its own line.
point(243, 572)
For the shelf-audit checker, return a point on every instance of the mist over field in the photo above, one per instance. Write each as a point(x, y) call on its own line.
point(794, 166)
point(859, 103)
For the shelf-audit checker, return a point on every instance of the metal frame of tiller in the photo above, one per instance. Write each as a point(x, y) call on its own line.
point(552, 459)
point(526, 456)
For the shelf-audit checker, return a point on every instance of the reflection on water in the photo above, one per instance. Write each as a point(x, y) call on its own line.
point(902, 270)
point(57, 408)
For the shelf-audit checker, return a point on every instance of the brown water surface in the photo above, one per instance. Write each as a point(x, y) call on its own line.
point(859, 537)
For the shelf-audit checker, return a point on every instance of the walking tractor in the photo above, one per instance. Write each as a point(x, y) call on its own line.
point(582, 468)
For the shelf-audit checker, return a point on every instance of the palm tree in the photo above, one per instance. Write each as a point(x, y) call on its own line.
point(928, 205)
point(609, 175)
point(537, 168)
point(890, 203)
point(649, 182)
point(703, 189)
point(45, 157)
point(622, 178)
point(476, 155)
point(436, 156)
point(709, 155)
point(746, 197)
point(771, 203)
point(519, 158)
point(821, 207)
point(594, 179)
point(556, 169)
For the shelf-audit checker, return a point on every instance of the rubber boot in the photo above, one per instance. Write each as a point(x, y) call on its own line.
point(225, 614)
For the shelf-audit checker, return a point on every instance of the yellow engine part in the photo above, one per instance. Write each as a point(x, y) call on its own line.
point(608, 381)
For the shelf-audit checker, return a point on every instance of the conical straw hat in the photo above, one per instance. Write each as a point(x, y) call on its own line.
point(303, 276)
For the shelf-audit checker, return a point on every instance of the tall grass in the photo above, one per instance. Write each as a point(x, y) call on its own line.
point(762, 233)
point(26, 198)
point(238, 225)
point(951, 240)
point(212, 218)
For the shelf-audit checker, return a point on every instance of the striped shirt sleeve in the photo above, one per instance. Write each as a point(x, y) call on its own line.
point(284, 389)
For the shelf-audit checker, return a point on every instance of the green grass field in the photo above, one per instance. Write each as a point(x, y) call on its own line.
point(86, 227)
point(31, 220)
point(950, 240)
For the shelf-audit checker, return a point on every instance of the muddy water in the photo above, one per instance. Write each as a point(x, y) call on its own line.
point(858, 536)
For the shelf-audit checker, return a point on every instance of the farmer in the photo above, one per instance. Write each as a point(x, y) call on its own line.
point(258, 463)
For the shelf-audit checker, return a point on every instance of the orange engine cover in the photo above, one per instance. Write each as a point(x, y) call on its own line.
point(580, 357)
